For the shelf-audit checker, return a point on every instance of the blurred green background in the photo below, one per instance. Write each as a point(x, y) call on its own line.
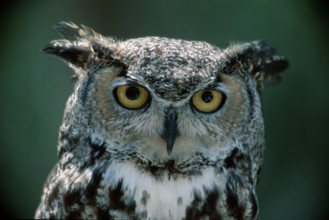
point(34, 88)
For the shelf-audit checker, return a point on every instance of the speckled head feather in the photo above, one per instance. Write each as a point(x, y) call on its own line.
point(159, 128)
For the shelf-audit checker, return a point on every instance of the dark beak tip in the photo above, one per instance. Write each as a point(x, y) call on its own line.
point(169, 148)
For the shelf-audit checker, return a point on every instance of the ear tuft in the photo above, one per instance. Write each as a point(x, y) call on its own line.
point(259, 59)
point(81, 46)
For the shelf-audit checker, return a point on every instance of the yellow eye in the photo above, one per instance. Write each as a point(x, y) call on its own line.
point(207, 100)
point(131, 96)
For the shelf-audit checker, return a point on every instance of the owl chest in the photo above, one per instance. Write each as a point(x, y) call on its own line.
point(134, 193)
point(122, 191)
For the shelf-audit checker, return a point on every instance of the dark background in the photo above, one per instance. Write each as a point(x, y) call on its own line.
point(34, 88)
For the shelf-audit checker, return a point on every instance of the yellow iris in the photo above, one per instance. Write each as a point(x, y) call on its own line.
point(207, 100)
point(132, 96)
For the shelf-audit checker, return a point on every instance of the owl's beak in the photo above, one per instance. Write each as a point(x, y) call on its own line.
point(170, 129)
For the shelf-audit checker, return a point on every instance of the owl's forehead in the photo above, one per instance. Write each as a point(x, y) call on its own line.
point(171, 67)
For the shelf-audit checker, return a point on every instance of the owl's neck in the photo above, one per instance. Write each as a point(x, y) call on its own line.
point(216, 192)
point(165, 198)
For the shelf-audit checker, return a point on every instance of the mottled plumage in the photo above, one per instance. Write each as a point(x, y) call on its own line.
point(159, 128)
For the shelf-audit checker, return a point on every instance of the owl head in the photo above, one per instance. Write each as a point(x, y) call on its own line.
point(158, 100)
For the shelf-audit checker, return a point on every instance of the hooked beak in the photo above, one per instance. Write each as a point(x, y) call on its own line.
point(170, 129)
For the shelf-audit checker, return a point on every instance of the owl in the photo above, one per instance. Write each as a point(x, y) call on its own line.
point(159, 128)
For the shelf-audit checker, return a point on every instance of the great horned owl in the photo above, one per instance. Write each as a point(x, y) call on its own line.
point(159, 128)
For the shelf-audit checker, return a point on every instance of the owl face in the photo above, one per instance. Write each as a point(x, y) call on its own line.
point(166, 101)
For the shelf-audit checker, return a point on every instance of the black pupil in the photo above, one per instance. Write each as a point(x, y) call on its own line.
point(207, 96)
point(132, 93)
